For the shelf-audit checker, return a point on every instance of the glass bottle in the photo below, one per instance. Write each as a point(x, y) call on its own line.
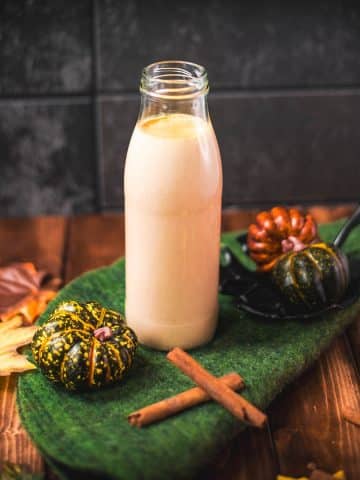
point(173, 188)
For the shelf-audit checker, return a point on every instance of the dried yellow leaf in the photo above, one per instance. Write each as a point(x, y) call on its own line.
point(14, 363)
point(340, 475)
point(14, 322)
point(283, 477)
point(13, 336)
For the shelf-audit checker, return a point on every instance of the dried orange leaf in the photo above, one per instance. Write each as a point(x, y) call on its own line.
point(29, 310)
point(43, 298)
point(17, 281)
point(24, 290)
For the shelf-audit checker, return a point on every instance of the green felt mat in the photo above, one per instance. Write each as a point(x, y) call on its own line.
point(89, 433)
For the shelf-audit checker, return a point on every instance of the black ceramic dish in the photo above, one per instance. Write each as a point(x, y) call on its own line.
point(255, 293)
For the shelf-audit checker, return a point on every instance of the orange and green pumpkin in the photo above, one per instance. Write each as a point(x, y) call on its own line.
point(84, 345)
point(318, 275)
point(278, 231)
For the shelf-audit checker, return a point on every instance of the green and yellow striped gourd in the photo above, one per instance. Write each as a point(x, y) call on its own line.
point(84, 346)
point(316, 276)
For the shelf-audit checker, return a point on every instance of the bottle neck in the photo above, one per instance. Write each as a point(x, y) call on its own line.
point(174, 87)
point(152, 107)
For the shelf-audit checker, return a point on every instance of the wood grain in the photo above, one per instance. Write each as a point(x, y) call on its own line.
point(233, 219)
point(15, 445)
point(306, 420)
point(250, 455)
point(353, 334)
point(94, 241)
point(39, 240)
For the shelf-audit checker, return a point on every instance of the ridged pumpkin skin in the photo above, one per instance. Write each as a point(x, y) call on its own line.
point(278, 231)
point(316, 276)
point(68, 352)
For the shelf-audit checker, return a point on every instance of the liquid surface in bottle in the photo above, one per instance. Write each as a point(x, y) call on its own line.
point(173, 185)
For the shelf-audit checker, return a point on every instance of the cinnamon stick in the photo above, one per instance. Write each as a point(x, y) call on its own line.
point(234, 403)
point(170, 406)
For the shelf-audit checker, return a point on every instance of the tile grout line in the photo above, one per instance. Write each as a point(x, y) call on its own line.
point(49, 99)
point(97, 114)
point(234, 91)
point(96, 47)
point(263, 205)
point(254, 92)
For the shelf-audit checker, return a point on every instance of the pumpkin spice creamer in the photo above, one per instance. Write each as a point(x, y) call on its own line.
point(173, 187)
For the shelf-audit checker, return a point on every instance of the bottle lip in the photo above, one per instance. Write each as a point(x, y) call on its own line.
point(174, 80)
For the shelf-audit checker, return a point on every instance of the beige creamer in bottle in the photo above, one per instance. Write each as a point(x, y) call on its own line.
point(173, 187)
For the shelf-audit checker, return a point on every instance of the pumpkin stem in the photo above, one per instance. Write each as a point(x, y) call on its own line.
point(103, 333)
point(292, 244)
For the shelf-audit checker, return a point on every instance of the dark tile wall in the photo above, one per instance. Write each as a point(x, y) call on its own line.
point(285, 97)
point(242, 44)
point(45, 47)
point(118, 116)
point(47, 157)
point(302, 148)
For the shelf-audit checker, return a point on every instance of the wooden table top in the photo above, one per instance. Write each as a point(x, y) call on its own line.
point(305, 422)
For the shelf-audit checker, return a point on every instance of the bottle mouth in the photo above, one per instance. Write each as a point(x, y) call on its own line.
point(174, 79)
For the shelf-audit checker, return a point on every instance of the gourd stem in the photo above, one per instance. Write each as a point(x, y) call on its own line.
point(103, 333)
point(292, 244)
point(352, 222)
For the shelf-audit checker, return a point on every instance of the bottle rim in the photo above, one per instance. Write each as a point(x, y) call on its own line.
point(174, 80)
